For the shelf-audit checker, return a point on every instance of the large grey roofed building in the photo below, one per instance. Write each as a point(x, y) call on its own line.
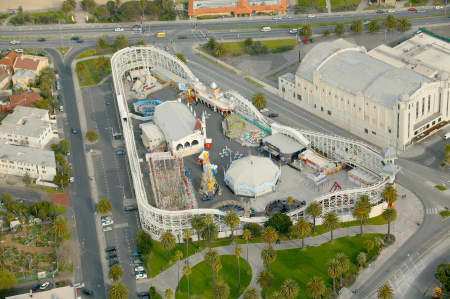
point(175, 120)
point(27, 155)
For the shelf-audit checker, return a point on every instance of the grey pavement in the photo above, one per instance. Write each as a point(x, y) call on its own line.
point(410, 214)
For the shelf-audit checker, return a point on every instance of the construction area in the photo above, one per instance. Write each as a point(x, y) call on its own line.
point(170, 184)
point(243, 131)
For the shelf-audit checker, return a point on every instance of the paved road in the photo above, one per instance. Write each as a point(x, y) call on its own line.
point(80, 195)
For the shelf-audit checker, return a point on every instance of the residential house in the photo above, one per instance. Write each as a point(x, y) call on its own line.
point(24, 99)
point(31, 63)
point(23, 78)
point(5, 77)
point(9, 59)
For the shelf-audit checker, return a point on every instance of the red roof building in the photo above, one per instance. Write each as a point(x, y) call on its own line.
point(24, 99)
point(9, 59)
point(235, 8)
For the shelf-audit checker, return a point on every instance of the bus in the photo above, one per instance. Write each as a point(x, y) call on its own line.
point(161, 34)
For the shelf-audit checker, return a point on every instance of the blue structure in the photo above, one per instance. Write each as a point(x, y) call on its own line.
point(146, 107)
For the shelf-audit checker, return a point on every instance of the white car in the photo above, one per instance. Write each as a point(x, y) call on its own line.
point(439, 7)
point(14, 42)
point(293, 30)
point(141, 275)
point(391, 10)
point(20, 51)
point(79, 285)
point(366, 23)
point(107, 222)
point(107, 228)
point(311, 16)
point(139, 269)
point(44, 285)
point(276, 18)
point(72, 179)
point(118, 29)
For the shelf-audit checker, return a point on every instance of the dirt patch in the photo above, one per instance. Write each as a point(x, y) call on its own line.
point(62, 199)
point(8, 242)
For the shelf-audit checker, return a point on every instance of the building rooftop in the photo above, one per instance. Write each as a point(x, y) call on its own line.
point(199, 4)
point(26, 63)
point(4, 73)
point(175, 120)
point(9, 59)
point(151, 129)
point(27, 155)
point(25, 99)
point(67, 292)
point(289, 77)
point(252, 171)
point(284, 143)
point(24, 74)
point(25, 121)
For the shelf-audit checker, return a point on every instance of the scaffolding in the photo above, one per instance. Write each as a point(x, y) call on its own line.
point(170, 185)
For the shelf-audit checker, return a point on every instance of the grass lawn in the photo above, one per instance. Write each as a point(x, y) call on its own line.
point(445, 213)
point(415, 3)
point(340, 5)
point(48, 190)
point(89, 73)
point(442, 188)
point(237, 48)
point(253, 82)
point(312, 3)
point(63, 51)
point(378, 220)
point(312, 260)
point(200, 279)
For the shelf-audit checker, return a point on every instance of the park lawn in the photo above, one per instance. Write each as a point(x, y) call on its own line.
point(91, 75)
point(93, 52)
point(312, 3)
point(302, 265)
point(48, 190)
point(445, 213)
point(237, 48)
point(415, 3)
point(337, 5)
point(200, 279)
point(378, 220)
point(63, 51)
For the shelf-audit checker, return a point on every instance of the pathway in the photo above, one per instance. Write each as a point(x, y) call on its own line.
point(410, 214)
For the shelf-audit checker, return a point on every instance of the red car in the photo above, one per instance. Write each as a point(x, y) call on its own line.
point(412, 9)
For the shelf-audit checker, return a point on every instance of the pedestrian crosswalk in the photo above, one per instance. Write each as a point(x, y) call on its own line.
point(432, 211)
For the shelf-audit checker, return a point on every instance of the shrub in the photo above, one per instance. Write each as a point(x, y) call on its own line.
point(280, 222)
point(254, 228)
point(282, 49)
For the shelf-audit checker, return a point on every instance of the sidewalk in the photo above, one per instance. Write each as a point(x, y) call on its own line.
point(410, 212)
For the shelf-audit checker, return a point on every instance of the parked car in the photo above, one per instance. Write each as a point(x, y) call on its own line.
point(20, 51)
point(139, 269)
point(439, 7)
point(72, 179)
point(287, 17)
point(111, 256)
point(79, 285)
point(120, 153)
point(412, 9)
point(80, 41)
point(182, 37)
point(107, 228)
point(110, 249)
point(74, 131)
point(143, 295)
point(366, 23)
point(113, 262)
point(36, 287)
point(380, 11)
point(44, 286)
point(141, 275)
point(135, 254)
point(276, 18)
point(138, 262)
point(272, 115)
point(130, 208)
point(87, 292)
point(391, 10)
point(207, 198)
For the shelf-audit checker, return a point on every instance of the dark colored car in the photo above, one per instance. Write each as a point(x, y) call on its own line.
point(80, 41)
point(110, 249)
point(272, 115)
point(207, 198)
point(135, 254)
point(130, 208)
point(87, 292)
point(36, 287)
point(380, 11)
point(74, 131)
point(111, 256)
point(182, 37)
point(41, 39)
point(120, 153)
point(74, 38)
point(143, 295)
point(113, 262)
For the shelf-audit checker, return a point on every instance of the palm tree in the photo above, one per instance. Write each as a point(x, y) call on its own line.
point(178, 257)
point(331, 222)
point(118, 291)
point(238, 253)
point(289, 289)
point(268, 255)
point(314, 210)
point(270, 235)
point(277, 295)
point(302, 229)
point(210, 231)
point(344, 264)
point(403, 25)
point(362, 211)
point(197, 223)
point(259, 100)
point(390, 195)
point(316, 287)
point(368, 245)
point(187, 271)
point(379, 244)
point(251, 293)
point(247, 235)
point(104, 206)
point(385, 292)
point(265, 279)
point(168, 294)
point(389, 214)
point(333, 270)
point(115, 273)
point(232, 220)
point(187, 238)
point(168, 242)
point(212, 258)
point(221, 290)
point(361, 258)
point(219, 50)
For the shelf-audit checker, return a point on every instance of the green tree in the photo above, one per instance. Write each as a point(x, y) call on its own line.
point(120, 42)
point(104, 206)
point(248, 42)
point(210, 231)
point(178, 256)
point(7, 279)
point(168, 242)
point(91, 135)
point(368, 245)
point(66, 6)
point(344, 265)
point(232, 220)
point(331, 222)
point(265, 279)
point(389, 214)
point(339, 29)
point(362, 211)
point(357, 26)
point(221, 290)
point(326, 33)
point(144, 242)
point(198, 223)
point(251, 293)
point(289, 289)
point(118, 291)
point(378, 244)
point(101, 45)
point(314, 209)
point(187, 238)
point(302, 230)
point(268, 256)
point(88, 5)
point(211, 44)
point(361, 258)
point(187, 271)
point(390, 22)
point(280, 222)
point(61, 227)
point(212, 258)
point(238, 253)
point(403, 25)
point(443, 276)
point(333, 270)
point(141, 42)
point(255, 229)
point(152, 292)
point(115, 273)
point(259, 100)
point(247, 235)
point(277, 295)
point(270, 235)
point(27, 179)
point(306, 31)
point(219, 50)
point(316, 287)
point(181, 57)
point(168, 294)
point(373, 26)
point(385, 292)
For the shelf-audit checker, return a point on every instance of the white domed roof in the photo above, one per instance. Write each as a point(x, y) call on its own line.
point(253, 171)
point(213, 85)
